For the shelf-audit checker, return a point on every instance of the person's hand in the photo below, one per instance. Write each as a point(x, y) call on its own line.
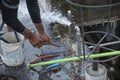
point(42, 34)
point(45, 39)
point(39, 40)
point(34, 39)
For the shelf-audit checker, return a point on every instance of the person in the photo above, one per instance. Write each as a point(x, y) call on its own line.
point(9, 9)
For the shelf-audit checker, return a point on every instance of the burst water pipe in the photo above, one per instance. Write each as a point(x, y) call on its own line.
point(69, 15)
point(78, 36)
point(92, 56)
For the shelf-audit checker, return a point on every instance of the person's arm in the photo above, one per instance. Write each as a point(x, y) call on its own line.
point(34, 12)
point(10, 18)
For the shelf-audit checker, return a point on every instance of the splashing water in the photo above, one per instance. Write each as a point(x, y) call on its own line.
point(53, 16)
point(48, 15)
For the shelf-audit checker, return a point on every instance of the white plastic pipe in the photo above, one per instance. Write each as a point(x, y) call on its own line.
point(90, 74)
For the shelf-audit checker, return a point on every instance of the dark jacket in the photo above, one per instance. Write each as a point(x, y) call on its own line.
point(9, 13)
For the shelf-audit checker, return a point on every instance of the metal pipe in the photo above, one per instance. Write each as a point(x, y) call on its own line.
point(69, 14)
point(106, 44)
point(78, 36)
point(98, 46)
point(75, 58)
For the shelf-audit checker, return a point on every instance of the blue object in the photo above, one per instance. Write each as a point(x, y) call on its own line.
point(52, 66)
point(56, 52)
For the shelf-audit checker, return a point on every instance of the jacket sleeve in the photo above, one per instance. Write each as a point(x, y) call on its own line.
point(34, 10)
point(10, 18)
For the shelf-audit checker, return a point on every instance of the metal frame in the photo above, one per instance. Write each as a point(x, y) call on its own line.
point(105, 33)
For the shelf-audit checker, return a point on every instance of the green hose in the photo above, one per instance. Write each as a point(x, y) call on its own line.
point(75, 58)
